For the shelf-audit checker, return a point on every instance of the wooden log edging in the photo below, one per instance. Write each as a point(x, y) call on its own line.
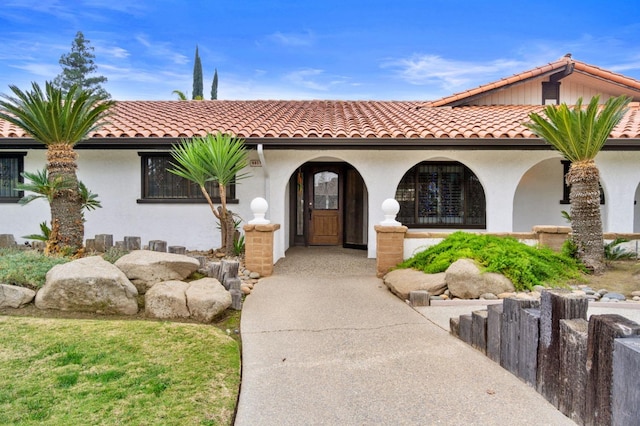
point(589, 370)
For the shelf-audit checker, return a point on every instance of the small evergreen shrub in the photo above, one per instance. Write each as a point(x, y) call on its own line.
point(26, 268)
point(113, 253)
point(524, 265)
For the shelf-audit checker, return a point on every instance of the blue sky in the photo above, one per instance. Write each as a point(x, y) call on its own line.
point(314, 49)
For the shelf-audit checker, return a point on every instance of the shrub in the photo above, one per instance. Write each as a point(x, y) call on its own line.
point(113, 253)
point(26, 268)
point(524, 265)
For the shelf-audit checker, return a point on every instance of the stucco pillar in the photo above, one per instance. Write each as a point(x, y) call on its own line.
point(258, 247)
point(390, 247)
point(552, 236)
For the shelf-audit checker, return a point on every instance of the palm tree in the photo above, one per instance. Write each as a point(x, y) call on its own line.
point(180, 94)
point(579, 134)
point(219, 158)
point(59, 120)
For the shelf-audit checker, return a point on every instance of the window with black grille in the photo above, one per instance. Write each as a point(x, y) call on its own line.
point(160, 185)
point(11, 167)
point(441, 195)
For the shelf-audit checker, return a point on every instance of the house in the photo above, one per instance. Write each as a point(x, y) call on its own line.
point(461, 162)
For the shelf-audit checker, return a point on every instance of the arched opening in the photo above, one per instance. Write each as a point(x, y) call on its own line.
point(328, 205)
point(441, 194)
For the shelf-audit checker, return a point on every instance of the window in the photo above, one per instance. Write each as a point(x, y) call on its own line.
point(441, 195)
point(11, 167)
point(566, 189)
point(159, 185)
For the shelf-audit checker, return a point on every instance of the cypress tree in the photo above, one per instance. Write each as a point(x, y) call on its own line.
point(77, 66)
point(214, 86)
point(197, 78)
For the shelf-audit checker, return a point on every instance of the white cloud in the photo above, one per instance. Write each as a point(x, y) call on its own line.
point(293, 39)
point(314, 79)
point(163, 50)
point(451, 74)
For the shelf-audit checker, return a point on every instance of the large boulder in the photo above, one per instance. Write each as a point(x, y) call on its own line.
point(167, 300)
point(12, 296)
point(206, 299)
point(401, 282)
point(466, 281)
point(90, 284)
point(145, 268)
point(201, 300)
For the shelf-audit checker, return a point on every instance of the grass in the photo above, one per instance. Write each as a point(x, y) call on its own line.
point(524, 265)
point(74, 371)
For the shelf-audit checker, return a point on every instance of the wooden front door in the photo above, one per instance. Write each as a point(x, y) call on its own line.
point(324, 186)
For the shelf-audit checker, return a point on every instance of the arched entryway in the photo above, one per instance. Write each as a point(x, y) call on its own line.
point(328, 206)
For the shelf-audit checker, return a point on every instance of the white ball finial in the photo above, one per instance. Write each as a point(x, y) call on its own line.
point(390, 208)
point(259, 207)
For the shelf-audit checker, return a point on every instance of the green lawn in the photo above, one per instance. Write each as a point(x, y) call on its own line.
point(75, 371)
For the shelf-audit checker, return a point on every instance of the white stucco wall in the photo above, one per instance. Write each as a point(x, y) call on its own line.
point(115, 176)
point(522, 189)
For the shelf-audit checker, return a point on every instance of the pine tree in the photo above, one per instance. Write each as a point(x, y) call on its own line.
point(76, 68)
point(214, 86)
point(197, 78)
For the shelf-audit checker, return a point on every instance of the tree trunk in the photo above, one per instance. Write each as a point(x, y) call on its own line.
point(227, 230)
point(586, 222)
point(67, 222)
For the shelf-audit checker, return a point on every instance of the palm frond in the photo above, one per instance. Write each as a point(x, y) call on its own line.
point(52, 117)
point(578, 133)
point(41, 186)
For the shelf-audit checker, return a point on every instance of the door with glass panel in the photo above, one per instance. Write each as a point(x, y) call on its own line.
point(324, 205)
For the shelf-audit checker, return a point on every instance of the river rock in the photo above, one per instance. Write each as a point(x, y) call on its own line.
point(403, 281)
point(145, 268)
point(90, 284)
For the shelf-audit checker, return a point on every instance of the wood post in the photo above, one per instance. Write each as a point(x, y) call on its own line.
point(479, 330)
point(103, 242)
point(528, 345)
point(494, 321)
point(465, 328)
point(555, 305)
point(626, 381)
point(158, 245)
point(177, 250)
point(510, 331)
point(573, 368)
point(603, 330)
point(132, 243)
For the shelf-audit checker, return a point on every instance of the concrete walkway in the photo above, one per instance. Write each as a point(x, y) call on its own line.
point(325, 342)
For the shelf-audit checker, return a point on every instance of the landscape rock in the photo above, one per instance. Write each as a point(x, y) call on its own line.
point(13, 296)
point(201, 300)
point(465, 280)
point(90, 284)
point(145, 268)
point(488, 296)
point(616, 296)
point(167, 300)
point(403, 281)
point(206, 299)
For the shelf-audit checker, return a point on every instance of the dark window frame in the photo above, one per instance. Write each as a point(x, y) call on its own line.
point(566, 189)
point(19, 157)
point(410, 183)
point(193, 194)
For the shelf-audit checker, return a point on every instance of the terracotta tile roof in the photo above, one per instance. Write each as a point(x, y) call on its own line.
point(553, 67)
point(313, 120)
